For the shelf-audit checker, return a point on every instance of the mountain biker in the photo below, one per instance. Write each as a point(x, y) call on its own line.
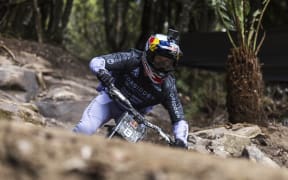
point(145, 78)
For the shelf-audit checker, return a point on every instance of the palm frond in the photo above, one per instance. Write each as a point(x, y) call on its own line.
point(256, 48)
point(252, 26)
point(236, 15)
point(225, 17)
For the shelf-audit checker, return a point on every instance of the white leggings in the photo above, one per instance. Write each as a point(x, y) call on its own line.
point(100, 110)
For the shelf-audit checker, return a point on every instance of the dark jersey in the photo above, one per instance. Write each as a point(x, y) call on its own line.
point(128, 72)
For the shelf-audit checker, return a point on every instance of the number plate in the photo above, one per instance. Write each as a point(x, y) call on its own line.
point(129, 128)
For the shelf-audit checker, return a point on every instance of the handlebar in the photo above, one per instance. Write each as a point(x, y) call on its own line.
point(116, 95)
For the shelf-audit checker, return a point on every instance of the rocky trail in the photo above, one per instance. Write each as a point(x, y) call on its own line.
point(43, 91)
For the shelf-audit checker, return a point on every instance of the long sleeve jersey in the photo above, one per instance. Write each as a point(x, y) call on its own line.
point(130, 79)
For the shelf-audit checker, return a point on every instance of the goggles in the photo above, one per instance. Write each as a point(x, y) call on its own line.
point(163, 64)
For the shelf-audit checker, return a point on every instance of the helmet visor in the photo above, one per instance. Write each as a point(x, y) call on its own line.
point(163, 64)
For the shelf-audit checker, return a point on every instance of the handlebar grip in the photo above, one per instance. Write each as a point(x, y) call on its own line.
point(111, 86)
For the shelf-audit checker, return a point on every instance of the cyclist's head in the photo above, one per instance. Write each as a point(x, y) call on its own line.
point(162, 55)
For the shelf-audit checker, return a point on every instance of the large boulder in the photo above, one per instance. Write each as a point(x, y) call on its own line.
point(65, 100)
point(20, 82)
point(68, 112)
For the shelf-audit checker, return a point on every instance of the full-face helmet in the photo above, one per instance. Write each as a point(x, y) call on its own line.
point(162, 54)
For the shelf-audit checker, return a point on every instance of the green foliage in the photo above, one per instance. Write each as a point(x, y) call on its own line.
point(87, 33)
point(42, 20)
point(200, 90)
point(238, 15)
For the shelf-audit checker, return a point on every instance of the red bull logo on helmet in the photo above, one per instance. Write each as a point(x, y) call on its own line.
point(153, 41)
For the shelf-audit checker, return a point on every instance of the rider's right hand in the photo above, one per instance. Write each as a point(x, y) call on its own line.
point(105, 78)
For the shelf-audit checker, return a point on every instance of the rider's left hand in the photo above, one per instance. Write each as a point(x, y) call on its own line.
point(180, 144)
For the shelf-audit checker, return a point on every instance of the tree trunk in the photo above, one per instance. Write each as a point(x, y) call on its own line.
point(115, 21)
point(244, 87)
point(38, 22)
point(146, 26)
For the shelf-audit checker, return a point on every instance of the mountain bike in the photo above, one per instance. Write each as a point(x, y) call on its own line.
point(132, 125)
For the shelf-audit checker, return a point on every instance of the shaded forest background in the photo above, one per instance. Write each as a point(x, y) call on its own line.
point(88, 28)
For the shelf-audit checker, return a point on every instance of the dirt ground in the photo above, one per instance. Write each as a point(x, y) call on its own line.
point(274, 142)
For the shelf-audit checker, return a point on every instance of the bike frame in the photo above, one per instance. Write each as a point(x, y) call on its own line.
point(117, 96)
